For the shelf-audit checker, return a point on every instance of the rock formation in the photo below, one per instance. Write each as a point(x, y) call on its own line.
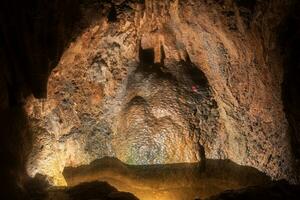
point(149, 82)
point(160, 81)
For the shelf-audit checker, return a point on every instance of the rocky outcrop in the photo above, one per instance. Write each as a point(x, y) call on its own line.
point(163, 82)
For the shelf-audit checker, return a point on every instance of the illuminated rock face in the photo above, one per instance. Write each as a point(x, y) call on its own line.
point(162, 83)
point(141, 112)
point(159, 122)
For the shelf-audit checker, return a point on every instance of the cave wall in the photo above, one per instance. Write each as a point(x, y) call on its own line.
point(108, 97)
point(97, 92)
point(238, 35)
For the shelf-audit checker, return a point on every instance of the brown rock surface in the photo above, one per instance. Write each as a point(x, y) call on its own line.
point(168, 181)
point(154, 83)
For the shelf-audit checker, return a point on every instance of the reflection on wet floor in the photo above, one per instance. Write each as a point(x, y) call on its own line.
point(171, 181)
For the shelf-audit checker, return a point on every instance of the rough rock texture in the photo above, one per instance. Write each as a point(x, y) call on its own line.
point(102, 101)
point(164, 82)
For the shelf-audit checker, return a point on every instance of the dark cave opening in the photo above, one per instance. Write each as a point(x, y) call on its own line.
point(290, 41)
point(112, 15)
point(146, 57)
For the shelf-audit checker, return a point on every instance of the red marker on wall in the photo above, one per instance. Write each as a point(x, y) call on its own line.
point(194, 88)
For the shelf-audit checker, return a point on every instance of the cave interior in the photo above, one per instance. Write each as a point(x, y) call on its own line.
point(150, 99)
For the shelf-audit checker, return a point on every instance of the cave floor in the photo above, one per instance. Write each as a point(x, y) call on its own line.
point(156, 182)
